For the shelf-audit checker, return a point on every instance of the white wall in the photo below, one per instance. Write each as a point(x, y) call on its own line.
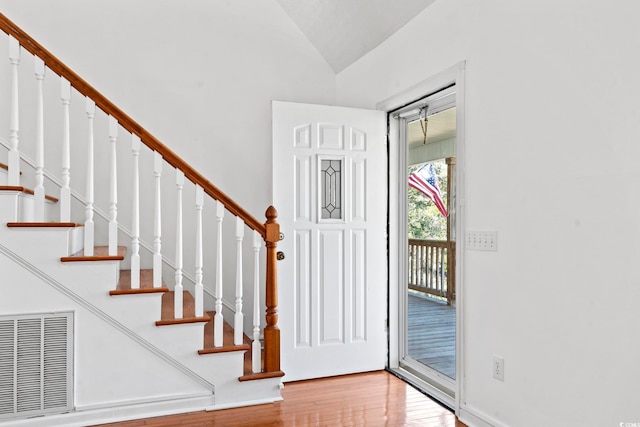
point(552, 125)
point(199, 75)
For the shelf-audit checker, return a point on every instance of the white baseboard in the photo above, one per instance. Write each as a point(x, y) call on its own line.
point(133, 410)
point(116, 414)
point(134, 402)
point(476, 418)
point(247, 403)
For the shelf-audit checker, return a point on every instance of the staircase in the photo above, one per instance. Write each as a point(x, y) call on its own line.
point(148, 333)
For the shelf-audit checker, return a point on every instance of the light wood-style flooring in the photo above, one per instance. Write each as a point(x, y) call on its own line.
point(370, 399)
point(432, 334)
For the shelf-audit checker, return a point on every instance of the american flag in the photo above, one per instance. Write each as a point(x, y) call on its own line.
point(425, 181)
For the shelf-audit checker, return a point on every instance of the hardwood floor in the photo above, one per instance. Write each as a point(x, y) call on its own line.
point(369, 399)
point(432, 334)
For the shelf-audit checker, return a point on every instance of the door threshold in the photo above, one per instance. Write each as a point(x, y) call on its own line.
point(424, 386)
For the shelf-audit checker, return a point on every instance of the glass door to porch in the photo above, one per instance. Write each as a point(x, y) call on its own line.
point(430, 322)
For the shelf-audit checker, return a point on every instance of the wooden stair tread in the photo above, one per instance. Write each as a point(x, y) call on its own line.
point(261, 376)
point(227, 339)
point(100, 253)
point(26, 190)
point(249, 375)
point(43, 224)
point(188, 310)
point(146, 284)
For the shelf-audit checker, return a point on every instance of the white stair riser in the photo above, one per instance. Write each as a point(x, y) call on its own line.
point(76, 240)
point(228, 394)
point(41, 243)
point(19, 206)
point(51, 211)
point(26, 208)
point(99, 276)
point(9, 203)
point(43, 248)
point(134, 311)
point(180, 341)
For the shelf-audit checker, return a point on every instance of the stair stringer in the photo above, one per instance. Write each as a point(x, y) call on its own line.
point(116, 377)
point(182, 342)
point(92, 281)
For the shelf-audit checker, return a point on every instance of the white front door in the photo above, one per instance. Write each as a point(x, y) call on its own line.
point(330, 189)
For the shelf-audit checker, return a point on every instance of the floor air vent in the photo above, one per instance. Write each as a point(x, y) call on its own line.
point(35, 364)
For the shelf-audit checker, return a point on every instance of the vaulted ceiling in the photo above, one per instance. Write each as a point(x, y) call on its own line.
point(345, 30)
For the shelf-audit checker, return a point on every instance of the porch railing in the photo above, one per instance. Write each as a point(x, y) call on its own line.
point(432, 266)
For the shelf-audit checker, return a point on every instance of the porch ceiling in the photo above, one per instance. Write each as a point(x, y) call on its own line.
point(440, 126)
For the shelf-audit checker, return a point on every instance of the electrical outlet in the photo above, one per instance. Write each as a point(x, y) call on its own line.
point(498, 368)
point(482, 240)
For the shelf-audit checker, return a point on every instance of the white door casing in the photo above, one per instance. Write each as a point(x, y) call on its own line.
point(332, 283)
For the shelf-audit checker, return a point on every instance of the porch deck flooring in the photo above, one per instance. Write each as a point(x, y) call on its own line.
point(432, 333)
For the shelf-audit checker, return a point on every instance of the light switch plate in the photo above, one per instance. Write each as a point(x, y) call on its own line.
point(482, 240)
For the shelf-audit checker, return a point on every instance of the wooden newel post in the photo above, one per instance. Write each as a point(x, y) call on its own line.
point(271, 331)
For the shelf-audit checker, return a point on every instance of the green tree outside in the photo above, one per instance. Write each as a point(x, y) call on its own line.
point(424, 220)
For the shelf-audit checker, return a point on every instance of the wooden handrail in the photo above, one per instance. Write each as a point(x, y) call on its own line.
point(55, 65)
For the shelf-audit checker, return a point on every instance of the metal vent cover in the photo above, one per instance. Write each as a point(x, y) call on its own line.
point(36, 364)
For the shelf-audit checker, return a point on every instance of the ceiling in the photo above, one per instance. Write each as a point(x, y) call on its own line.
point(345, 30)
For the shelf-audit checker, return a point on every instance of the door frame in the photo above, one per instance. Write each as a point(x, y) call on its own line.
point(396, 213)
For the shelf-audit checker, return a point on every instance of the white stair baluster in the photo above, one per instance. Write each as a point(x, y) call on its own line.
point(238, 318)
point(14, 155)
point(199, 289)
point(65, 190)
point(256, 348)
point(88, 223)
point(113, 193)
point(38, 190)
point(135, 214)
point(177, 307)
point(218, 320)
point(157, 223)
